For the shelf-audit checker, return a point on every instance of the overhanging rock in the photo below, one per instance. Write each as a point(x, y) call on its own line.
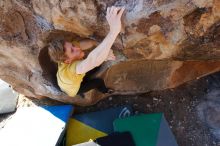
point(163, 43)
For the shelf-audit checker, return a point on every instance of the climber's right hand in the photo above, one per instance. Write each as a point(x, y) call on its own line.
point(113, 17)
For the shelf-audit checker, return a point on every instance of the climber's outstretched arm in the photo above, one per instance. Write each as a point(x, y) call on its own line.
point(87, 44)
point(100, 53)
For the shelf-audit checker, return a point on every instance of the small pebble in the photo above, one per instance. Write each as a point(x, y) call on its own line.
point(135, 104)
point(155, 99)
point(148, 105)
point(110, 98)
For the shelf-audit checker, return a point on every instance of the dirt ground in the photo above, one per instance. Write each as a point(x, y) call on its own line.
point(178, 105)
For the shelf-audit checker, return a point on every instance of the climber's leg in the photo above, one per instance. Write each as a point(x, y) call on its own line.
point(89, 83)
point(96, 83)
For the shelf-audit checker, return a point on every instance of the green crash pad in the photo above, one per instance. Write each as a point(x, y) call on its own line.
point(147, 129)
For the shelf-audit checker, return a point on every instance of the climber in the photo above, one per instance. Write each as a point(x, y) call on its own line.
point(72, 66)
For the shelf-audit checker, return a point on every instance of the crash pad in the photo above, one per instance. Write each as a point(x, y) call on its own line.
point(116, 139)
point(147, 129)
point(36, 126)
point(83, 127)
point(90, 143)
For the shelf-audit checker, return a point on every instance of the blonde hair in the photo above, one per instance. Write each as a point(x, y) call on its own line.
point(56, 50)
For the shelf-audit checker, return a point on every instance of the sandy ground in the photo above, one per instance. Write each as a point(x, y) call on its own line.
point(179, 106)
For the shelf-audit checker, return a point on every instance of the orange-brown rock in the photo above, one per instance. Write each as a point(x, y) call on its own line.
point(162, 45)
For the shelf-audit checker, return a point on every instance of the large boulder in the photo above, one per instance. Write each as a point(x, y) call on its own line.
point(162, 44)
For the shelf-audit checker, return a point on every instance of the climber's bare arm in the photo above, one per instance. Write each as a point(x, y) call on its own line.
point(101, 52)
point(87, 44)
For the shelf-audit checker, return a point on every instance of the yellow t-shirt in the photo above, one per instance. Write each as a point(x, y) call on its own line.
point(68, 81)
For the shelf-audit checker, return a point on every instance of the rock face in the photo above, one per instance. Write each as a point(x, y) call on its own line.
point(163, 44)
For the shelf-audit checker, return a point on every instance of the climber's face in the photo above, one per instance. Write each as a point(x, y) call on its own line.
point(72, 52)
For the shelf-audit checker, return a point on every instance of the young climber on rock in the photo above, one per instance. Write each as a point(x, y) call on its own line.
point(72, 66)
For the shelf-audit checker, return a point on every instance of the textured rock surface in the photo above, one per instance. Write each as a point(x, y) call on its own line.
point(163, 43)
